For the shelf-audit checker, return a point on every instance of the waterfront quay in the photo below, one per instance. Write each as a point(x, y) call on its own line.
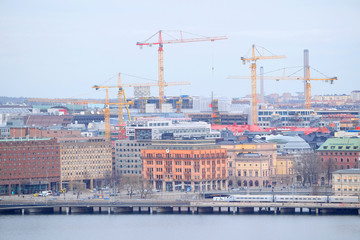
point(175, 207)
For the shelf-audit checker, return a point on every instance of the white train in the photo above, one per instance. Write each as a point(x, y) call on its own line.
point(289, 198)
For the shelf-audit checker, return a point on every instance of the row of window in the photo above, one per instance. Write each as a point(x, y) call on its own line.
point(131, 144)
point(336, 153)
point(251, 173)
point(128, 155)
point(341, 160)
point(26, 174)
point(82, 168)
point(128, 166)
point(28, 148)
point(24, 159)
point(106, 147)
point(128, 150)
point(129, 172)
point(340, 147)
point(86, 162)
point(29, 163)
point(83, 174)
point(168, 155)
point(129, 161)
point(85, 157)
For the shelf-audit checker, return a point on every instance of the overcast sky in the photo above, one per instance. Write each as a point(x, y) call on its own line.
point(62, 48)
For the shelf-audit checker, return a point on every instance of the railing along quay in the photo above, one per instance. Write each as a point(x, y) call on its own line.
point(180, 207)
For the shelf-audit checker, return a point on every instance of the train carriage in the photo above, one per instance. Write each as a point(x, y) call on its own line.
point(300, 198)
point(250, 198)
point(343, 199)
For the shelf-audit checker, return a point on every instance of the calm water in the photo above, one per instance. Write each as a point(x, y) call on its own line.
point(173, 227)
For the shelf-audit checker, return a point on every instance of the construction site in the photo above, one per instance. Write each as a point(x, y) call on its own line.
point(273, 110)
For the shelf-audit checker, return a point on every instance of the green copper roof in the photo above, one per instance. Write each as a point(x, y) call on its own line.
point(341, 144)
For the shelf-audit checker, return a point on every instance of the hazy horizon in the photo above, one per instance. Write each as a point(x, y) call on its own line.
point(60, 49)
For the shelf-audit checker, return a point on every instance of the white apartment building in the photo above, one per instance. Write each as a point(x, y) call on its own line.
point(156, 128)
point(286, 117)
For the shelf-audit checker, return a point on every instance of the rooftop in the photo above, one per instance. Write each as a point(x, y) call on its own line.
point(24, 139)
point(348, 171)
point(341, 144)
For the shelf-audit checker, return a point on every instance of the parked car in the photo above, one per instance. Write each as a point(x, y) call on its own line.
point(45, 193)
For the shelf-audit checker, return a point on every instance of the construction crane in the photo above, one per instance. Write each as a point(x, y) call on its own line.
point(161, 42)
point(134, 85)
point(306, 78)
point(107, 108)
point(88, 101)
point(253, 60)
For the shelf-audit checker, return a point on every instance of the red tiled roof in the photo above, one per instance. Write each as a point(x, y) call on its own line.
point(236, 129)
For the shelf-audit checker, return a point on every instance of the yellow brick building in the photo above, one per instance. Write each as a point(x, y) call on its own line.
point(251, 164)
point(346, 182)
point(85, 160)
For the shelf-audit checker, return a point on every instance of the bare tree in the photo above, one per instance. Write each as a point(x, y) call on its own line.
point(131, 185)
point(308, 168)
point(79, 187)
point(108, 177)
point(327, 167)
point(144, 188)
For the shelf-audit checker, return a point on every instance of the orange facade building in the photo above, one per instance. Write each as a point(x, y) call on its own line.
point(190, 165)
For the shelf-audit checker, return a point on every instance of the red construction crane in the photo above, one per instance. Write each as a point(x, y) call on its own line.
point(161, 43)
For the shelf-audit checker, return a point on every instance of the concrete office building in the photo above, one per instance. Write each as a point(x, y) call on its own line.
point(87, 160)
point(128, 157)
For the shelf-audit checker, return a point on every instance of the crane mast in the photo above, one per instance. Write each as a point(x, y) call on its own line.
point(253, 59)
point(120, 100)
point(161, 42)
point(107, 108)
point(161, 71)
point(306, 79)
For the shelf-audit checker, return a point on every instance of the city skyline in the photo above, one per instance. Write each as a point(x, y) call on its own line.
point(63, 48)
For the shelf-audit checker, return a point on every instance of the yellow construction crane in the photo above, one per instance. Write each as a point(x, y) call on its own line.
point(161, 42)
point(306, 78)
point(253, 60)
point(154, 84)
point(107, 108)
point(88, 101)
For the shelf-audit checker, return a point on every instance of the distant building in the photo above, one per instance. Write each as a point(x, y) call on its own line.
point(355, 96)
point(154, 129)
point(29, 165)
point(290, 144)
point(87, 160)
point(252, 170)
point(224, 117)
point(285, 172)
point(128, 157)
point(247, 157)
point(346, 182)
point(191, 165)
point(336, 154)
point(284, 117)
point(4, 132)
point(49, 120)
point(332, 98)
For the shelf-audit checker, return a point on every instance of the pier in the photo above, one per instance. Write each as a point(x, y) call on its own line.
point(177, 207)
